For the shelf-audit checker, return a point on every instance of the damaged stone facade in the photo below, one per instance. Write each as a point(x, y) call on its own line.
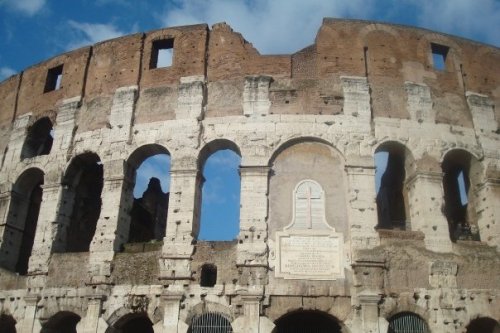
point(316, 117)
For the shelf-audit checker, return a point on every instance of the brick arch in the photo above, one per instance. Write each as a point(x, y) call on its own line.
point(123, 311)
point(52, 307)
point(213, 146)
point(366, 30)
point(399, 307)
point(313, 310)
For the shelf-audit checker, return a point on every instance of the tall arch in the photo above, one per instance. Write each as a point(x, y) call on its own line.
point(63, 321)
point(461, 174)
point(219, 202)
point(148, 168)
point(19, 232)
point(304, 321)
point(80, 204)
point(393, 162)
point(39, 139)
point(311, 159)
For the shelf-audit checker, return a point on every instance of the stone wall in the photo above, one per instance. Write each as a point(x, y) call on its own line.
point(320, 115)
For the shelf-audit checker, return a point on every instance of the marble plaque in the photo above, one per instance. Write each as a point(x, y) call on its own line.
point(310, 255)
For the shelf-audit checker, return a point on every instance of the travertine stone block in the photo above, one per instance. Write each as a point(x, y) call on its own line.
point(256, 96)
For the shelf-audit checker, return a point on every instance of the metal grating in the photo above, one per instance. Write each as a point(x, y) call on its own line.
point(211, 322)
point(407, 323)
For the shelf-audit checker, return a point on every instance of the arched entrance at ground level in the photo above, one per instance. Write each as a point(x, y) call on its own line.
point(132, 323)
point(7, 324)
point(308, 321)
point(61, 322)
point(210, 322)
point(483, 325)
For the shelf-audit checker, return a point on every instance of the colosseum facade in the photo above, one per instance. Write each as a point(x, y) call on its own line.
point(319, 248)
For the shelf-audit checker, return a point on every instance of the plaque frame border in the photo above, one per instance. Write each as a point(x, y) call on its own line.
point(309, 233)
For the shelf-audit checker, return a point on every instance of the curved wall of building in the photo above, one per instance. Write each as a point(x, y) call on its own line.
point(319, 243)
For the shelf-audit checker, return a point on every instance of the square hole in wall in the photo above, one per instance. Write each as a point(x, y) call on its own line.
point(439, 53)
point(54, 78)
point(162, 53)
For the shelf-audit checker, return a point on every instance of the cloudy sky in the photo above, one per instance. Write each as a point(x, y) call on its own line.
point(34, 30)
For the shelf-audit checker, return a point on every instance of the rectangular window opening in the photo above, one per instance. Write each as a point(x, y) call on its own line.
point(162, 53)
point(439, 53)
point(54, 79)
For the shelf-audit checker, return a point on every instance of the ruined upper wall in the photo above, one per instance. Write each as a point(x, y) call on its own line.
point(307, 82)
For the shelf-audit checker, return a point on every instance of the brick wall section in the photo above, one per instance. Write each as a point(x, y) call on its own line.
point(32, 97)
point(8, 90)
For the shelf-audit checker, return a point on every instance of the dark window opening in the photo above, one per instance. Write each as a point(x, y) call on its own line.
point(307, 321)
point(407, 322)
point(7, 324)
point(210, 322)
point(439, 54)
point(149, 167)
point(456, 184)
point(54, 79)
point(390, 177)
point(81, 204)
point(19, 234)
point(39, 139)
point(220, 197)
point(162, 53)
point(63, 321)
point(483, 325)
point(208, 275)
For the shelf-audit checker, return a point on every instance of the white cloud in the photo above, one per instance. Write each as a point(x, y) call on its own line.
point(27, 7)
point(478, 19)
point(91, 33)
point(5, 72)
point(278, 26)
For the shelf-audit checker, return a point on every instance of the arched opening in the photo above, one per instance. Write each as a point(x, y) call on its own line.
point(458, 167)
point(19, 232)
point(7, 324)
point(133, 323)
point(149, 169)
point(407, 322)
point(210, 322)
point(220, 199)
point(63, 321)
point(39, 139)
point(391, 161)
point(483, 325)
point(305, 321)
point(208, 275)
point(80, 205)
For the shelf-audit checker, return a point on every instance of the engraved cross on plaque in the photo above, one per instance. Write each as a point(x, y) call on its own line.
point(308, 195)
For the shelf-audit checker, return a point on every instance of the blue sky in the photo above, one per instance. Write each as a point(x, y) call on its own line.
point(35, 30)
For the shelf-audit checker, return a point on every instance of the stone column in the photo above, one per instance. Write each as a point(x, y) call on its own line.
point(27, 325)
point(369, 309)
point(64, 129)
point(426, 199)
point(250, 321)
point(170, 323)
point(256, 96)
point(488, 211)
point(182, 223)
point(46, 231)
point(362, 206)
point(17, 138)
point(252, 248)
point(90, 323)
point(114, 220)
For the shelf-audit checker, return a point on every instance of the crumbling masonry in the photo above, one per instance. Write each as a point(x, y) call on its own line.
point(318, 246)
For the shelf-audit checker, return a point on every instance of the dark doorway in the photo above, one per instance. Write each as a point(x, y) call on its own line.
point(61, 322)
point(7, 324)
point(307, 321)
point(133, 323)
point(483, 325)
point(39, 139)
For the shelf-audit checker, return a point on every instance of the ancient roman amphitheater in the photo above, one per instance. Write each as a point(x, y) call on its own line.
point(320, 247)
